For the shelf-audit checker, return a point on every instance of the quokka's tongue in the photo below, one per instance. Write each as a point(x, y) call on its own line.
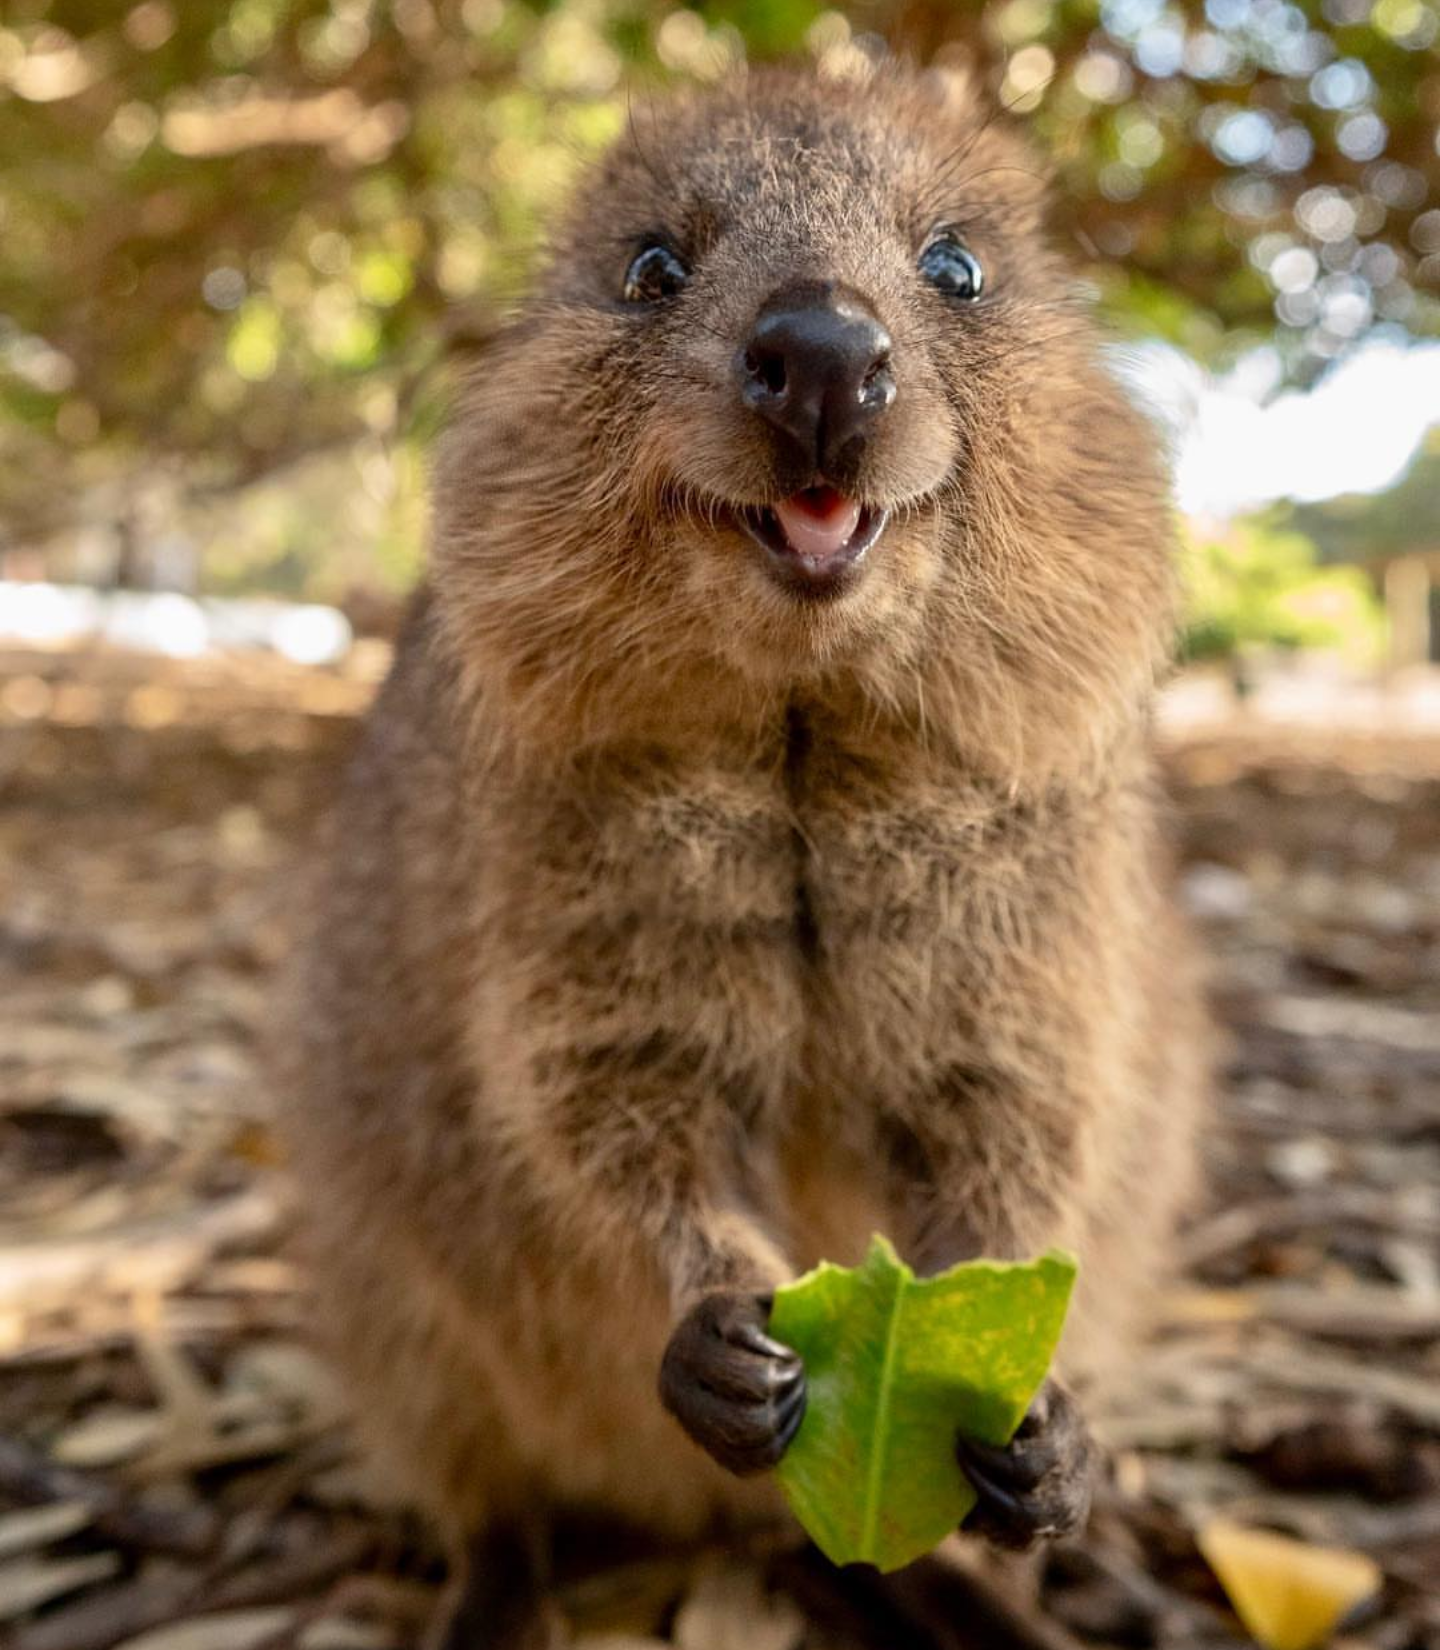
point(819, 522)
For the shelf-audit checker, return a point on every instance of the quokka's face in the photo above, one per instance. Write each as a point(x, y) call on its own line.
point(792, 336)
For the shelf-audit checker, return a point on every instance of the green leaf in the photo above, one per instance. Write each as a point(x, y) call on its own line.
point(895, 1367)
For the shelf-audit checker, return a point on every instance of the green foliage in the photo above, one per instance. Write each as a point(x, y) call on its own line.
point(1259, 585)
point(896, 1367)
point(323, 530)
point(769, 28)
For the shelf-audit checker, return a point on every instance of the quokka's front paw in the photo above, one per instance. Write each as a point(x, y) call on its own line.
point(1038, 1487)
point(739, 1394)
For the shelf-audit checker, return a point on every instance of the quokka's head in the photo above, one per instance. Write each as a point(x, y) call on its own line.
point(804, 390)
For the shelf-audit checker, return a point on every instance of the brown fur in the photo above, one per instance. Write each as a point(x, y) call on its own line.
point(673, 933)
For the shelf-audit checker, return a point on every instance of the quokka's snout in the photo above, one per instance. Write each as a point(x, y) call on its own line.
point(817, 369)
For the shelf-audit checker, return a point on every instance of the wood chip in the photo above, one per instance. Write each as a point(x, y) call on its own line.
point(729, 1609)
point(158, 1255)
point(108, 1437)
point(228, 1630)
point(27, 1583)
point(31, 1527)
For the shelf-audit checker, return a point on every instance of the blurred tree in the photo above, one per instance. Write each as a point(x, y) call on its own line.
point(234, 232)
point(1396, 536)
point(1255, 585)
point(1369, 527)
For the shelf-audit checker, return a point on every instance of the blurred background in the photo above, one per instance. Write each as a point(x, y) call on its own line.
point(246, 246)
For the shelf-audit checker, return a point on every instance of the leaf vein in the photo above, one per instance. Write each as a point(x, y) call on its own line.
point(880, 1444)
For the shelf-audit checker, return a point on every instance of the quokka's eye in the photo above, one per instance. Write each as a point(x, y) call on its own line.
point(952, 269)
point(656, 273)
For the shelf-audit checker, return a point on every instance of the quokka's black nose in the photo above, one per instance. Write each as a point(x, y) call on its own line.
point(817, 367)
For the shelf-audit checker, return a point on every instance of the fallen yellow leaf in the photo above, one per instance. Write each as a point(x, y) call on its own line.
point(1289, 1594)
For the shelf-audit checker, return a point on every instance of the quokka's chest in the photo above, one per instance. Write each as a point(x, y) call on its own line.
point(816, 885)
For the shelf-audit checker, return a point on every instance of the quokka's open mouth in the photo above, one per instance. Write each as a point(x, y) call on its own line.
point(815, 539)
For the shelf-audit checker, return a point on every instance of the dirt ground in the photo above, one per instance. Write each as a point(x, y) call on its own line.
point(174, 1466)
